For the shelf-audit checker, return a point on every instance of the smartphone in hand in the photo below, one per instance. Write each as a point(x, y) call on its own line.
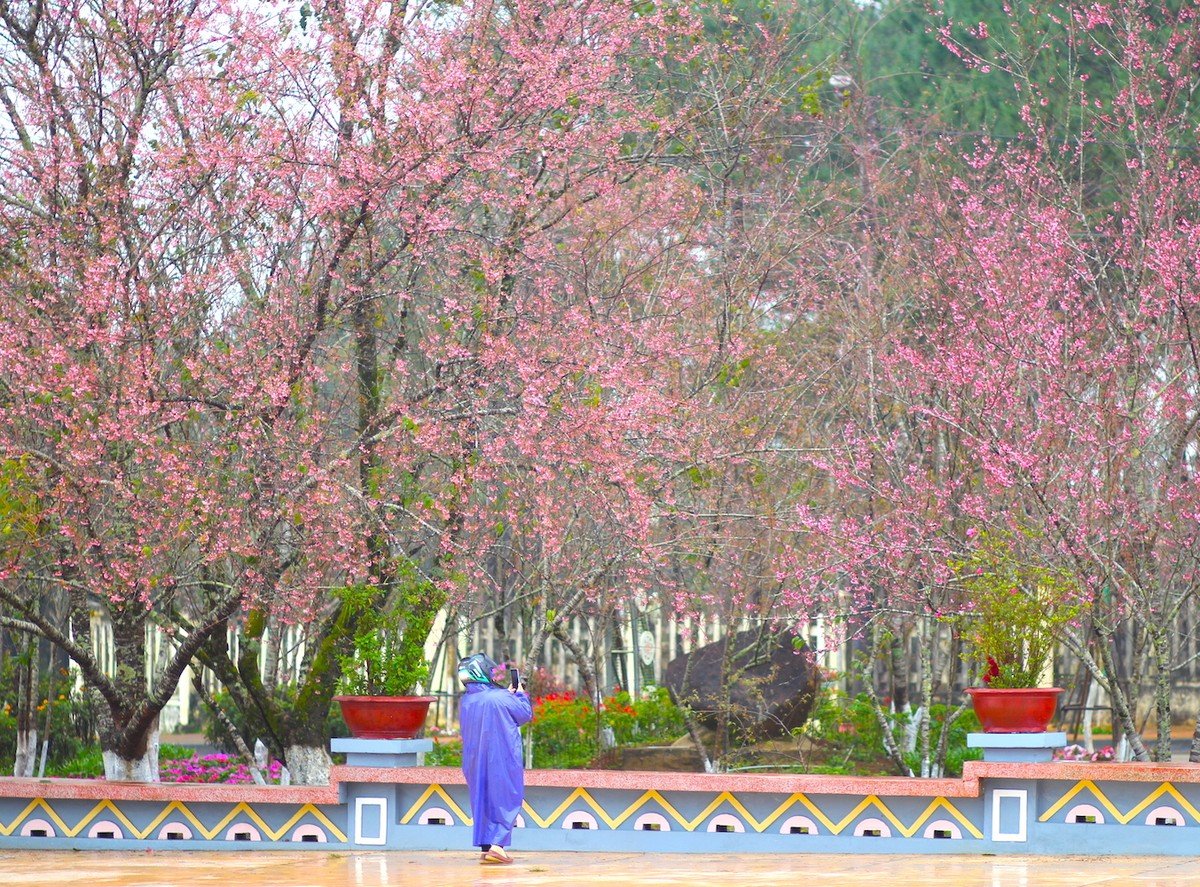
point(514, 678)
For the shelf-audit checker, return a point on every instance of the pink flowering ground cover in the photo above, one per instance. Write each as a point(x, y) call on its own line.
point(213, 768)
point(1079, 753)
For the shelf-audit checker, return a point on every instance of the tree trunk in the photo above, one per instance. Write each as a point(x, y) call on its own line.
point(889, 740)
point(128, 732)
point(270, 675)
point(586, 672)
point(27, 702)
point(689, 721)
point(1160, 643)
point(1120, 704)
point(1194, 751)
point(943, 746)
point(23, 764)
point(308, 764)
point(898, 667)
point(1105, 673)
point(1089, 714)
point(121, 766)
point(953, 668)
point(260, 710)
point(928, 767)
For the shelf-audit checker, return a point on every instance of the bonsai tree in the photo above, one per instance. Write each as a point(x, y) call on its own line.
point(387, 655)
point(1013, 610)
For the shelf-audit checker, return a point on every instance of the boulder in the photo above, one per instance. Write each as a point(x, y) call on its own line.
point(771, 688)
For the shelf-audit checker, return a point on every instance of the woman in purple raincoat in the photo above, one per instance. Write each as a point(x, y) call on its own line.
point(491, 717)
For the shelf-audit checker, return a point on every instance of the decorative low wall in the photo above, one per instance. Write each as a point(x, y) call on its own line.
point(94, 814)
point(1043, 808)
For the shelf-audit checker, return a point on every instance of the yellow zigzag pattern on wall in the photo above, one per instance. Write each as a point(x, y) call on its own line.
point(1164, 790)
point(581, 794)
point(436, 789)
point(174, 806)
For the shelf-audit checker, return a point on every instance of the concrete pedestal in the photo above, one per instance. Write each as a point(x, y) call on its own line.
point(381, 752)
point(1030, 748)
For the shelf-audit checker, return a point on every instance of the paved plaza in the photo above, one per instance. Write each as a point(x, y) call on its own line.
point(284, 869)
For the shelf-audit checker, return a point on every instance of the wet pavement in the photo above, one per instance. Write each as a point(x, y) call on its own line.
point(311, 869)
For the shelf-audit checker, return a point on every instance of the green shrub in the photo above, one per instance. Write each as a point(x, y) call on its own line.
point(564, 728)
point(659, 720)
point(446, 753)
point(87, 763)
point(956, 748)
point(848, 728)
point(1015, 610)
point(390, 630)
point(956, 756)
point(563, 732)
point(832, 770)
point(850, 733)
point(621, 717)
point(8, 740)
point(72, 723)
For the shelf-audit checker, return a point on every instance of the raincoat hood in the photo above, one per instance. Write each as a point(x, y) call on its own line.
point(476, 669)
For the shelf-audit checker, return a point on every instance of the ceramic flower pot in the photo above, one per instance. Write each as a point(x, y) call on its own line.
point(1025, 710)
point(384, 717)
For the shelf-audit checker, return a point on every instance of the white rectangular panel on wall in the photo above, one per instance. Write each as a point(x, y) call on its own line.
point(1010, 814)
point(370, 821)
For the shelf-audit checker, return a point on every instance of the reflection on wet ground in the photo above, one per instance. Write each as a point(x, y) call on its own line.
point(272, 869)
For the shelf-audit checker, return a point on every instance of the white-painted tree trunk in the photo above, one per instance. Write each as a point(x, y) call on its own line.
point(143, 769)
point(26, 760)
point(1089, 715)
point(308, 765)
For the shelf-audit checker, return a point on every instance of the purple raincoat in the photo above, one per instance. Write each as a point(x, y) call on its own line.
point(491, 739)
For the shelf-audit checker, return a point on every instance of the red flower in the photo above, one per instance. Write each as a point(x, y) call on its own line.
point(993, 671)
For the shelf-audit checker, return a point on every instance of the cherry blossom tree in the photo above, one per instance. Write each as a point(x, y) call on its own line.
point(271, 271)
point(147, 363)
point(1043, 352)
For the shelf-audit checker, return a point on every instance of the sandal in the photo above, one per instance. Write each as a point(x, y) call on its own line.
point(495, 856)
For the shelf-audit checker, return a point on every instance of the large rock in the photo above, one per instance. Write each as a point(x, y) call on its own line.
point(771, 685)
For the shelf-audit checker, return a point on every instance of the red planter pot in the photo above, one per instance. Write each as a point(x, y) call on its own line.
point(1014, 711)
point(384, 717)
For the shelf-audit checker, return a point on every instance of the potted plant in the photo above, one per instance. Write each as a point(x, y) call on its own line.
point(1013, 612)
point(386, 663)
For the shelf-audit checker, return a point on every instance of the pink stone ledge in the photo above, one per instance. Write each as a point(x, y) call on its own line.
point(1073, 771)
point(101, 789)
point(644, 780)
point(624, 780)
